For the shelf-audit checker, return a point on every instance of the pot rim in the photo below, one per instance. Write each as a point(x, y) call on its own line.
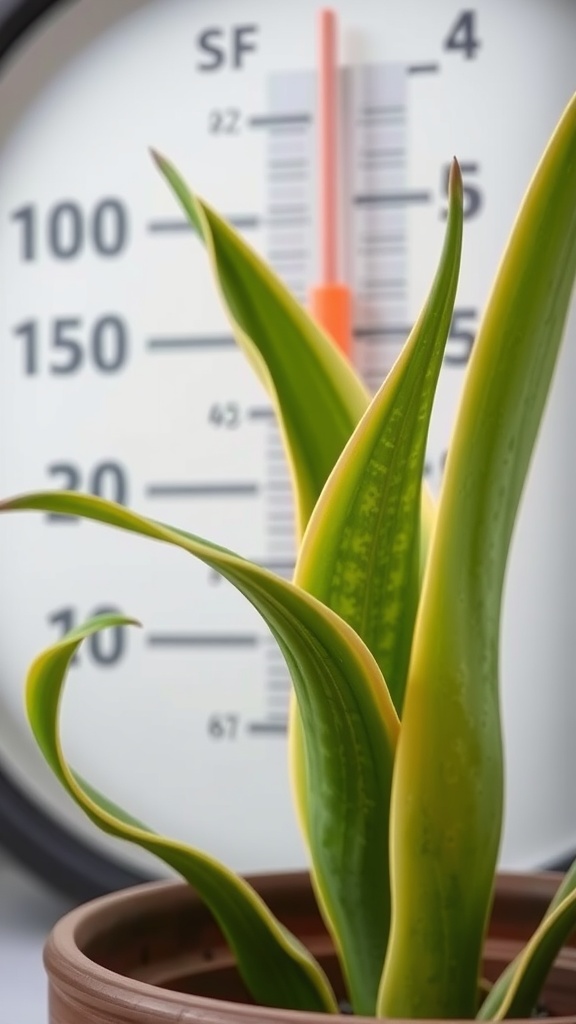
point(64, 943)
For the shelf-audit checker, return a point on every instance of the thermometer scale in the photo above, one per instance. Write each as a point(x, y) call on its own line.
point(119, 376)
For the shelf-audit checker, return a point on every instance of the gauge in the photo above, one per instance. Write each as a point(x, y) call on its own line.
point(119, 376)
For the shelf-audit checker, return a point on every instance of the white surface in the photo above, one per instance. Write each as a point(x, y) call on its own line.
point(27, 912)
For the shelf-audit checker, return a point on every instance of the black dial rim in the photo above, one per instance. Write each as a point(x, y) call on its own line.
point(37, 840)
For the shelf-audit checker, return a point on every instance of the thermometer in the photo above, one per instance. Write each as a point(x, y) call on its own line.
point(325, 137)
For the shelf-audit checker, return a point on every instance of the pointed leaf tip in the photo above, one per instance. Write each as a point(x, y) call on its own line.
point(455, 188)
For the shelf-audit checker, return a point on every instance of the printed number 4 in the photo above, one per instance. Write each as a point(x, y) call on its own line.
point(463, 35)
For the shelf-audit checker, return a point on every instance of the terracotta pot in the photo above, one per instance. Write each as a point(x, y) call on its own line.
point(152, 955)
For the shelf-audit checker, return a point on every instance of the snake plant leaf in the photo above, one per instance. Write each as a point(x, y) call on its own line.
point(361, 551)
point(349, 722)
point(274, 964)
point(535, 961)
point(517, 990)
point(317, 395)
point(447, 794)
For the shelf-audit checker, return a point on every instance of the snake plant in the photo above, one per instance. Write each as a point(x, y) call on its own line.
point(390, 626)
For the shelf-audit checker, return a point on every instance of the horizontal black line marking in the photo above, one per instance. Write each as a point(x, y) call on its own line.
point(260, 412)
point(383, 108)
point(243, 220)
point(392, 198)
point(373, 248)
point(272, 728)
point(371, 161)
point(191, 341)
point(423, 69)
point(161, 226)
point(372, 164)
point(171, 225)
point(374, 288)
point(279, 120)
point(388, 283)
point(207, 490)
point(388, 237)
point(383, 151)
point(385, 282)
point(381, 331)
point(202, 639)
point(381, 121)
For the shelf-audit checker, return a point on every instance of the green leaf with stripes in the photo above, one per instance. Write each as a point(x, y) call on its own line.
point(317, 395)
point(447, 793)
point(349, 722)
point(517, 990)
point(361, 556)
point(361, 552)
point(274, 964)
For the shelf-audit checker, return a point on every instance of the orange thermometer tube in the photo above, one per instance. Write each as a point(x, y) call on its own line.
point(330, 300)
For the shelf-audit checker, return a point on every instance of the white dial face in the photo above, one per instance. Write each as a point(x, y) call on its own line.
point(118, 373)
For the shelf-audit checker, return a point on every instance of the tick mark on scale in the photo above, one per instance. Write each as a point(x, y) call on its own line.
point(261, 412)
point(204, 490)
point(202, 639)
point(423, 69)
point(271, 728)
point(284, 120)
point(392, 198)
point(191, 341)
point(242, 221)
point(373, 333)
